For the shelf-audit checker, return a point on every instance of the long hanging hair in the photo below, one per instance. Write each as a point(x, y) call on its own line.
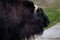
point(18, 21)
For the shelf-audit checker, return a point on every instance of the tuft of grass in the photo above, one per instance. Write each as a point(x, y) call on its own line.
point(53, 15)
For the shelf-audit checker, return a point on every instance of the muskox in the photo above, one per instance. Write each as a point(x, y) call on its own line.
point(19, 20)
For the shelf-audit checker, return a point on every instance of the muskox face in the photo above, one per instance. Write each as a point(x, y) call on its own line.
point(37, 22)
point(20, 20)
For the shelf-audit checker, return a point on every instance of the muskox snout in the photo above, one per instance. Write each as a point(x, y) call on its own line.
point(47, 23)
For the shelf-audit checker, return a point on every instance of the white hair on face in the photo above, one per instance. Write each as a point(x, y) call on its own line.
point(36, 7)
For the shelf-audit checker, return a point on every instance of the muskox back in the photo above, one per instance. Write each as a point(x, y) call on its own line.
point(13, 14)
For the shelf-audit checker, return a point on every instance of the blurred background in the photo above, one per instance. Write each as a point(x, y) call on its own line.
point(51, 8)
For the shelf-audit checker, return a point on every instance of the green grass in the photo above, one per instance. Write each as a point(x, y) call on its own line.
point(53, 15)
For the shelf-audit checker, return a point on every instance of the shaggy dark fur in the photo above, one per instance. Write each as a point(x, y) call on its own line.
point(18, 21)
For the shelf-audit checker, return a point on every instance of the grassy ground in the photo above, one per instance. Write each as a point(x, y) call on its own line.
point(53, 14)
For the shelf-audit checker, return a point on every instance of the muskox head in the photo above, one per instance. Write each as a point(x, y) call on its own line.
point(19, 20)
